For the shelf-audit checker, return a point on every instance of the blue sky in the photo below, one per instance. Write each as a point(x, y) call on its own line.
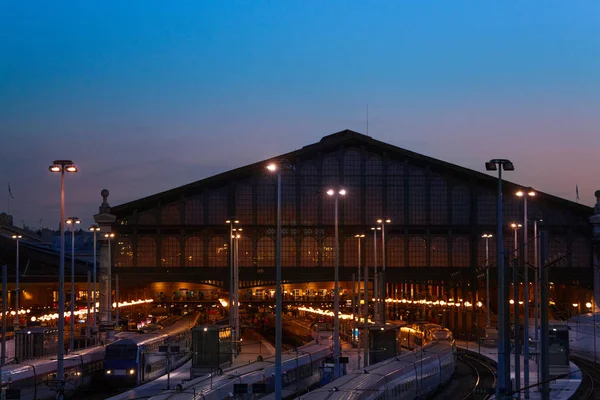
point(146, 96)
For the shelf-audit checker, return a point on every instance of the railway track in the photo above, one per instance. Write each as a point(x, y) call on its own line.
point(590, 384)
point(485, 378)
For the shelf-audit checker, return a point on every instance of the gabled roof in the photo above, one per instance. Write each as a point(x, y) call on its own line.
point(347, 138)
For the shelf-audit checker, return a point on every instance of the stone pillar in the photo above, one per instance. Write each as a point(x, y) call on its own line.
point(105, 221)
point(595, 221)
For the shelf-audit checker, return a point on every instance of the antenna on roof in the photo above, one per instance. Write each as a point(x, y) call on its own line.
point(367, 119)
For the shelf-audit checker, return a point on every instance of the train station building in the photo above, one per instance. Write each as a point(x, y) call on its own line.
point(174, 246)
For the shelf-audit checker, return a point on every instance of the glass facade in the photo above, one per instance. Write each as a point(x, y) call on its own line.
point(438, 216)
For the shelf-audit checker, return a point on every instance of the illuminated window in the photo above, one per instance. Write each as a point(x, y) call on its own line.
point(245, 252)
point(288, 252)
point(265, 252)
point(218, 252)
point(328, 252)
point(309, 253)
point(439, 252)
point(194, 252)
point(123, 252)
point(170, 215)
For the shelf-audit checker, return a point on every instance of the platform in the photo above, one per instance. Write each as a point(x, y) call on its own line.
point(560, 389)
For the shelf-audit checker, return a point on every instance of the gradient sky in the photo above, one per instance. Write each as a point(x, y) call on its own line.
point(149, 95)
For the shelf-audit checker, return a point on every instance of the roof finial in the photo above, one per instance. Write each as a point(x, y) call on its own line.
point(104, 207)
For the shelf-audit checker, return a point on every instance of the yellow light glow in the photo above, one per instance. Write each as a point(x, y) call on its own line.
point(272, 167)
point(575, 304)
point(343, 192)
point(71, 168)
point(511, 301)
point(588, 304)
point(54, 168)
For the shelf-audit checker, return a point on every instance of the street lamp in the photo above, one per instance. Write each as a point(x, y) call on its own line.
point(360, 237)
point(16, 322)
point(236, 284)
point(536, 289)
point(273, 167)
point(72, 221)
point(109, 236)
point(525, 194)
point(336, 302)
point(231, 222)
point(61, 166)
point(95, 229)
point(503, 386)
point(383, 222)
point(375, 277)
point(487, 237)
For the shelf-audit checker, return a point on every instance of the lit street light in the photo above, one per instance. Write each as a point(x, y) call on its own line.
point(95, 229)
point(487, 237)
point(383, 222)
point(17, 322)
point(109, 236)
point(525, 195)
point(278, 300)
point(231, 222)
point(359, 237)
point(61, 166)
point(503, 386)
point(336, 291)
point(72, 221)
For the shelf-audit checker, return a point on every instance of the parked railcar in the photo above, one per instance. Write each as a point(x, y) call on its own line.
point(139, 359)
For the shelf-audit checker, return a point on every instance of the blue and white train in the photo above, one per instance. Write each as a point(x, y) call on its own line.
point(138, 359)
point(301, 370)
point(408, 376)
point(37, 380)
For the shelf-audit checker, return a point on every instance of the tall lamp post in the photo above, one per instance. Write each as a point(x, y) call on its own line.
point(61, 166)
point(359, 237)
point(17, 322)
point(515, 227)
point(503, 387)
point(336, 291)
point(525, 195)
point(237, 233)
point(536, 289)
point(95, 229)
point(109, 236)
point(487, 237)
point(375, 277)
point(231, 222)
point(383, 222)
point(72, 221)
point(278, 301)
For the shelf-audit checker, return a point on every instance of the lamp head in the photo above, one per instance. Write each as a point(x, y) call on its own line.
point(272, 167)
point(109, 235)
point(362, 235)
point(17, 236)
point(94, 228)
point(490, 166)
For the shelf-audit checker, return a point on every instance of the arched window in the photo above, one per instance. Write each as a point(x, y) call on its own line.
point(170, 215)
point(243, 202)
point(217, 207)
point(146, 252)
point(417, 198)
point(460, 252)
point(266, 200)
point(439, 252)
point(288, 194)
point(460, 205)
point(245, 252)
point(374, 188)
point(124, 252)
point(438, 201)
point(170, 252)
point(309, 252)
point(194, 211)
point(309, 196)
point(417, 251)
point(194, 252)
point(147, 218)
point(265, 252)
point(395, 193)
point(486, 207)
point(328, 252)
point(288, 251)
point(218, 252)
point(394, 249)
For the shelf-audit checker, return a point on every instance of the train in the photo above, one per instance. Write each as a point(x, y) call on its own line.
point(37, 379)
point(413, 336)
point(416, 374)
point(302, 369)
point(137, 359)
